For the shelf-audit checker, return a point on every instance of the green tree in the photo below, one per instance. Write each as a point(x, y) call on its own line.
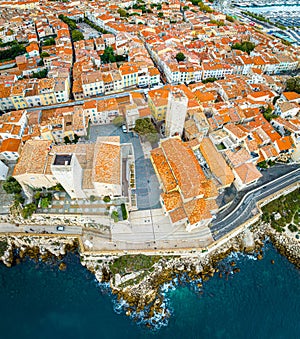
point(180, 56)
point(205, 81)
point(204, 8)
point(76, 138)
point(11, 53)
point(28, 210)
point(45, 55)
point(275, 99)
point(217, 22)
point(40, 75)
point(185, 8)
point(49, 42)
point(293, 85)
point(145, 128)
point(67, 140)
point(245, 46)
point(160, 14)
point(229, 18)
point(108, 55)
point(92, 198)
point(285, 42)
point(124, 212)
point(106, 199)
point(122, 12)
point(77, 35)
point(97, 28)
point(71, 23)
point(19, 198)
point(152, 137)
point(118, 121)
point(268, 113)
point(11, 186)
point(115, 216)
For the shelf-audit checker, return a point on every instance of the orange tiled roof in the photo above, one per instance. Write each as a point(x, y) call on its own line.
point(198, 210)
point(285, 143)
point(185, 167)
point(10, 145)
point(248, 173)
point(291, 95)
point(107, 161)
point(163, 169)
point(33, 157)
point(216, 162)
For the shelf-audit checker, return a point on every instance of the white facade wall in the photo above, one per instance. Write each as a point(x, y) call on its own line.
point(176, 113)
point(70, 177)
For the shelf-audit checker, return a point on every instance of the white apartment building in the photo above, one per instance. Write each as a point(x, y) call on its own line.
point(176, 113)
point(69, 173)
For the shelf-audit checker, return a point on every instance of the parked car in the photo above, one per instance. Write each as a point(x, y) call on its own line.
point(60, 228)
point(124, 129)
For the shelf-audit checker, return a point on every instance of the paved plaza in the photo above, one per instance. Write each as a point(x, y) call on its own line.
point(147, 186)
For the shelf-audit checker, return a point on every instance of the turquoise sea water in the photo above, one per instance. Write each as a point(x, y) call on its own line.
point(261, 301)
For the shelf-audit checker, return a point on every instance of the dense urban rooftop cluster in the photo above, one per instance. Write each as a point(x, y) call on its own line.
point(214, 88)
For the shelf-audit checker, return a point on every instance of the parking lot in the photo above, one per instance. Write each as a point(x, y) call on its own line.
point(147, 186)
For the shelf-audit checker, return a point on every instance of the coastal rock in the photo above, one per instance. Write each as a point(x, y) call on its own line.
point(259, 257)
point(62, 266)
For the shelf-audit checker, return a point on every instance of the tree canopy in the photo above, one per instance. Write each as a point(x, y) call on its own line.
point(77, 35)
point(122, 12)
point(229, 18)
point(11, 186)
point(49, 42)
point(293, 85)
point(108, 55)
point(205, 81)
point(71, 23)
point(11, 53)
point(180, 56)
point(40, 75)
point(45, 55)
point(118, 121)
point(245, 46)
point(145, 128)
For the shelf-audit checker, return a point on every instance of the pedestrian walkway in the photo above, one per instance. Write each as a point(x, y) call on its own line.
point(65, 205)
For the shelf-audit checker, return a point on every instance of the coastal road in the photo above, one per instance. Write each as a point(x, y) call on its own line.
point(31, 229)
point(10, 228)
point(247, 205)
point(52, 229)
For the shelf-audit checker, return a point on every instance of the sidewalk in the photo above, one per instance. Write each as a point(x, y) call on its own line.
point(81, 206)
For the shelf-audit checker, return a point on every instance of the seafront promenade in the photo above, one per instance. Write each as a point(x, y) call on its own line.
point(150, 233)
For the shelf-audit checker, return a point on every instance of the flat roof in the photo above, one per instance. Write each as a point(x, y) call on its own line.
point(62, 160)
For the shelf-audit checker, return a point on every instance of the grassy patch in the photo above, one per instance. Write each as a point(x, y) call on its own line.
point(293, 228)
point(287, 206)
point(133, 263)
